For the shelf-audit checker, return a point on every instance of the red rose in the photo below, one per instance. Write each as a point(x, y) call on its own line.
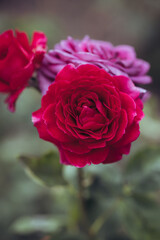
point(90, 115)
point(18, 60)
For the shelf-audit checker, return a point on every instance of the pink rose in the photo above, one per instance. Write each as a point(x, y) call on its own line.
point(90, 115)
point(116, 60)
point(18, 60)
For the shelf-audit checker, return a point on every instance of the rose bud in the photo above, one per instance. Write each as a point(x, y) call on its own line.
point(91, 116)
point(18, 60)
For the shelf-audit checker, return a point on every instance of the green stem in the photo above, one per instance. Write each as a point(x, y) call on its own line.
point(84, 216)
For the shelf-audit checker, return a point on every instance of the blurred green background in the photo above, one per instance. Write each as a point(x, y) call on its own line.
point(123, 197)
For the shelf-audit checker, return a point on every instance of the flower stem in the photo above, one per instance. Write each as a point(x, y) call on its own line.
point(84, 216)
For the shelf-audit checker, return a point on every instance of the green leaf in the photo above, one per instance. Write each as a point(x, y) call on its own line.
point(150, 129)
point(150, 182)
point(135, 222)
point(144, 160)
point(40, 223)
point(45, 169)
point(143, 170)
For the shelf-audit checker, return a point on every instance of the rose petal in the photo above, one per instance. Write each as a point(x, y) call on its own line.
point(95, 156)
point(115, 154)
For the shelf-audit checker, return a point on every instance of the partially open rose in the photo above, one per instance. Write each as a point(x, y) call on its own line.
point(18, 60)
point(90, 115)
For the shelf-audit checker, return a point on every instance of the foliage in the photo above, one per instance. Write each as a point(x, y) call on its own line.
point(121, 202)
point(45, 169)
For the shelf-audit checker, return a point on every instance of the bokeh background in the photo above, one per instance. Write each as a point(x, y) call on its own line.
point(135, 23)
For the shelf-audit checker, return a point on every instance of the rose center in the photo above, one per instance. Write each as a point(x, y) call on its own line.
point(87, 114)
